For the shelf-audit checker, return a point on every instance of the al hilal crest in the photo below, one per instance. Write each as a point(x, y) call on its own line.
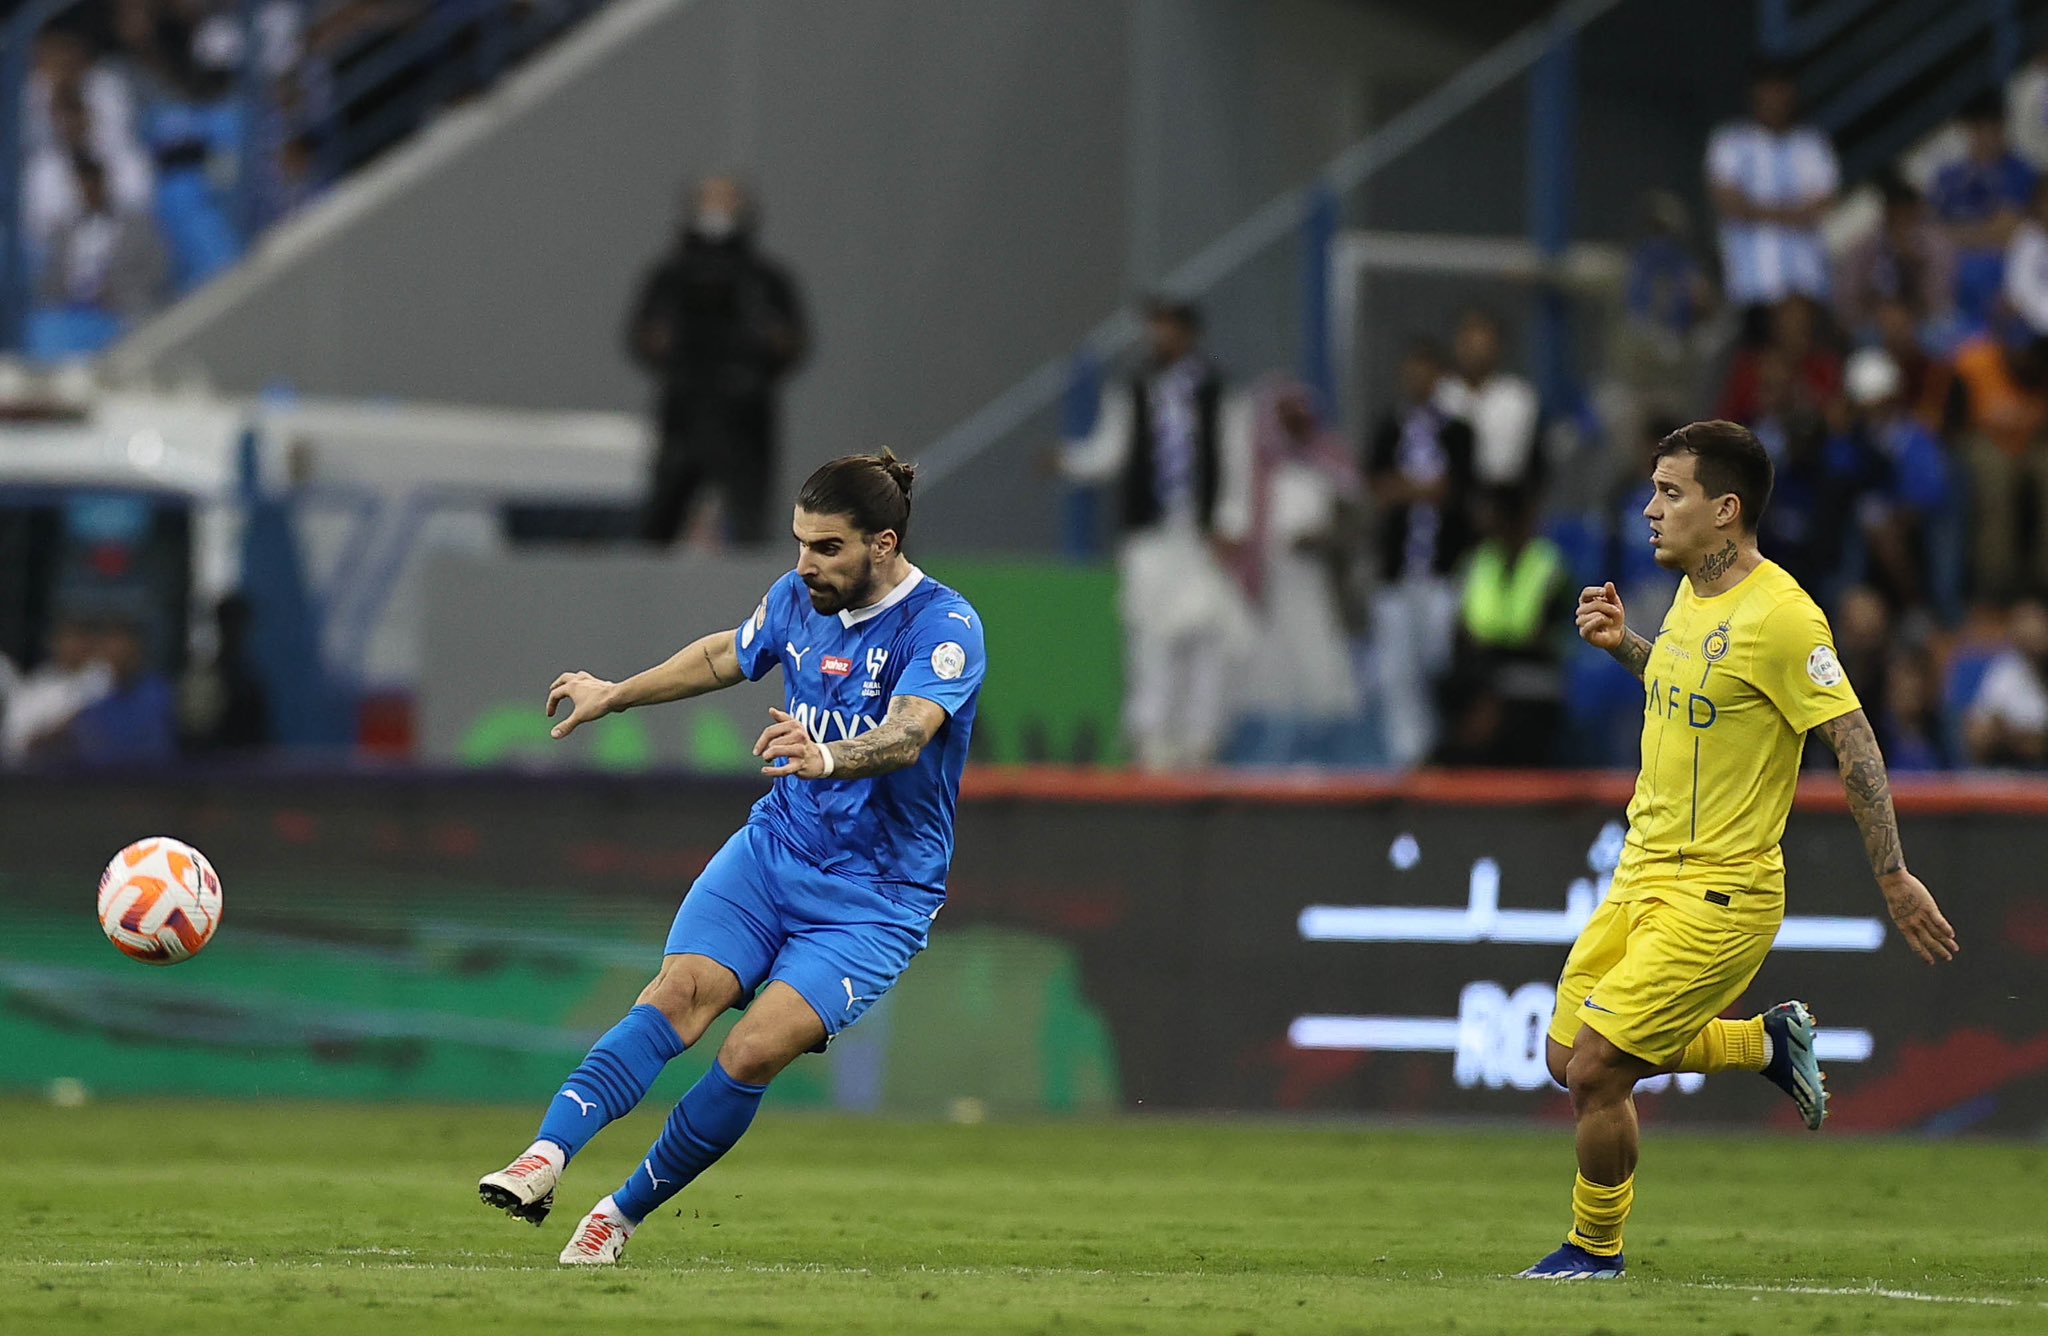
point(1715, 646)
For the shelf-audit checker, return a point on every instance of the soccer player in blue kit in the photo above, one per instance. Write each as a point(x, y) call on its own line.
point(830, 887)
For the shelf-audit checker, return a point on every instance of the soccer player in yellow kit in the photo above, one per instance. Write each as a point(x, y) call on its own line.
point(1743, 667)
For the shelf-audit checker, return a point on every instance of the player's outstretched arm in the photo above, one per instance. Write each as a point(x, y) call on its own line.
point(893, 744)
point(705, 665)
point(1869, 788)
point(1603, 625)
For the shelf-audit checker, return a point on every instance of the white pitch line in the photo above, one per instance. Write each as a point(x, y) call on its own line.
point(1871, 1291)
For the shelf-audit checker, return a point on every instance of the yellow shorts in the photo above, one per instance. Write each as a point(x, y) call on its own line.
point(1649, 977)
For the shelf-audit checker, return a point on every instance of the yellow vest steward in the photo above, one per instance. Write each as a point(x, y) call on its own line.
point(1504, 604)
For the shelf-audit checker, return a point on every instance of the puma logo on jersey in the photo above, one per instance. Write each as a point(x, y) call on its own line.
point(795, 653)
point(963, 617)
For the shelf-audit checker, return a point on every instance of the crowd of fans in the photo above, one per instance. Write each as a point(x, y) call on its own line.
point(160, 136)
point(1289, 594)
point(1902, 390)
point(1900, 384)
point(135, 147)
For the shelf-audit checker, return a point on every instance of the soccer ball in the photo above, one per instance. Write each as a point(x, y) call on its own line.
point(159, 901)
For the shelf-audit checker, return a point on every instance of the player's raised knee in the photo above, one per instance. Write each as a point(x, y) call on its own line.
point(690, 991)
point(1596, 1067)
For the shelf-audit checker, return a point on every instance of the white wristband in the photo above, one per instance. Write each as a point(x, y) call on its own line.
point(826, 752)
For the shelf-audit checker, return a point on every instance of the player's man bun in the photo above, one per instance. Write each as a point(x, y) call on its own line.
point(902, 470)
point(871, 490)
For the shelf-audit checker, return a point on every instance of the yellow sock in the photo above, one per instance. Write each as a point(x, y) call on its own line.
point(1598, 1214)
point(1726, 1046)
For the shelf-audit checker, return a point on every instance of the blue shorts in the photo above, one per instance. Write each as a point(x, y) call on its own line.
point(764, 913)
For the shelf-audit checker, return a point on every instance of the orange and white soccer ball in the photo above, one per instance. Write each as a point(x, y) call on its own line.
point(159, 901)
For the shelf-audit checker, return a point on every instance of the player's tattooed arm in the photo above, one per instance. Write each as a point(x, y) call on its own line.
point(1869, 789)
point(893, 744)
point(1912, 907)
point(1633, 652)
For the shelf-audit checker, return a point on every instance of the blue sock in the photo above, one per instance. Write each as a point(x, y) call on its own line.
point(704, 1126)
point(616, 1076)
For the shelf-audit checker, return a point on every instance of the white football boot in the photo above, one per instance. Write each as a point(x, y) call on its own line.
point(599, 1238)
point(525, 1188)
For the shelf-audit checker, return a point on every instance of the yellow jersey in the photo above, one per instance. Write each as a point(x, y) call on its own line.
point(1733, 683)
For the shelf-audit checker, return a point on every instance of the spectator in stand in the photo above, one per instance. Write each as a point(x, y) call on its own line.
point(2026, 264)
point(1923, 377)
point(1500, 405)
point(1979, 199)
point(51, 197)
point(2007, 723)
point(137, 720)
point(190, 127)
point(1178, 450)
point(719, 325)
point(1796, 340)
point(1303, 509)
point(1994, 391)
point(1804, 526)
point(42, 704)
point(1420, 470)
point(2026, 111)
point(1906, 259)
point(1506, 692)
point(1772, 180)
point(1864, 635)
point(66, 64)
point(1909, 722)
point(1656, 359)
point(1911, 510)
point(108, 261)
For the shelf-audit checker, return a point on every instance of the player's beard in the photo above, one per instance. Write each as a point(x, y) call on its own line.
point(859, 591)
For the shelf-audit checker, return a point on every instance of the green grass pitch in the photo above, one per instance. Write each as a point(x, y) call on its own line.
point(282, 1218)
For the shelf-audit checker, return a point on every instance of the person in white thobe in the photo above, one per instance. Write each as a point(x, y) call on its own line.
point(1175, 446)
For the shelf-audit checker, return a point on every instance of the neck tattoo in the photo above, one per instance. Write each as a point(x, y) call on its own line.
point(1716, 565)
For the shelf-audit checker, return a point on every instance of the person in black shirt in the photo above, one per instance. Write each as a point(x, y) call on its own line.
point(718, 325)
point(1419, 466)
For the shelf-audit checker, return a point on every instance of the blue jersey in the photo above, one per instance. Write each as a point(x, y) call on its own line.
point(841, 672)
